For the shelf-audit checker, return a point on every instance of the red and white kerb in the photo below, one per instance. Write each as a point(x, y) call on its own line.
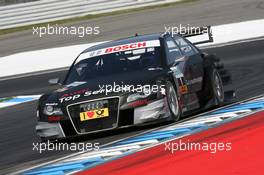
point(120, 48)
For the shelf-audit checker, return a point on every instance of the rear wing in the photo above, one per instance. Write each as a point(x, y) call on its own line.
point(198, 34)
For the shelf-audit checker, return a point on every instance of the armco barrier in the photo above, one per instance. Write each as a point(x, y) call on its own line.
point(50, 10)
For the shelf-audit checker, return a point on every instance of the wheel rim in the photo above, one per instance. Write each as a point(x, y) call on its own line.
point(218, 86)
point(173, 102)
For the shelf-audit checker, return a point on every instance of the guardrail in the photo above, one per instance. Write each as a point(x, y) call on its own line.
point(51, 10)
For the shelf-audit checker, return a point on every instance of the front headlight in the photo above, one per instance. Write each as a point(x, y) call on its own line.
point(136, 96)
point(141, 93)
point(52, 110)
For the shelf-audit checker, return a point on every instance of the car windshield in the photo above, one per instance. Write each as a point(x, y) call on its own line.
point(114, 63)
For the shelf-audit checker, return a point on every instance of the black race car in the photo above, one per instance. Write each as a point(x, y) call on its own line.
point(133, 81)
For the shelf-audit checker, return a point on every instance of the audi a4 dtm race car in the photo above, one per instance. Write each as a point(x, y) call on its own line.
point(133, 81)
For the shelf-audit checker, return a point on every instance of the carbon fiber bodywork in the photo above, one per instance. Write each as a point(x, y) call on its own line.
point(82, 107)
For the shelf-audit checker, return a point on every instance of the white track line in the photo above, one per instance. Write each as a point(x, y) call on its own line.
point(119, 140)
point(55, 58)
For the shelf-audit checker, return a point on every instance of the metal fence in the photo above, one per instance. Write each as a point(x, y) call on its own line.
point(49, 10)
point(8, 2)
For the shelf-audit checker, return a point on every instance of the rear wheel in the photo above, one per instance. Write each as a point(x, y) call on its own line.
point(215, 78)
point(213, 88)
point(217, 87)
point(173, 102)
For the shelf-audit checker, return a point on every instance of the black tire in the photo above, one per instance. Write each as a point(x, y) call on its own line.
point(216, 88)
point(173, 103)
point(214, 74)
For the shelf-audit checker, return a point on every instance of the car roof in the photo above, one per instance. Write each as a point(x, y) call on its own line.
point(137, 38)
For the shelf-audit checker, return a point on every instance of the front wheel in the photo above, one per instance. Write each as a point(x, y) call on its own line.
point(173, 102)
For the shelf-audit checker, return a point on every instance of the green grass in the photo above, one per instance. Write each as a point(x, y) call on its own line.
point(87, 17)
point(5, 99)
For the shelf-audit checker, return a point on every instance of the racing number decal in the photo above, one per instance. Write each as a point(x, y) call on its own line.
point(94, 114)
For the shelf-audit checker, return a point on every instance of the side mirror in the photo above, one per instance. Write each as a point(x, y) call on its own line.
point(54, 81)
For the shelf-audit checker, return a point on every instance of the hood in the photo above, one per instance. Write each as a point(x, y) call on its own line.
point(92, 88)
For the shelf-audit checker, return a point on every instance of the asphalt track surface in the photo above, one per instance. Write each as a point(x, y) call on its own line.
point(202, 12)
point(244, 60)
